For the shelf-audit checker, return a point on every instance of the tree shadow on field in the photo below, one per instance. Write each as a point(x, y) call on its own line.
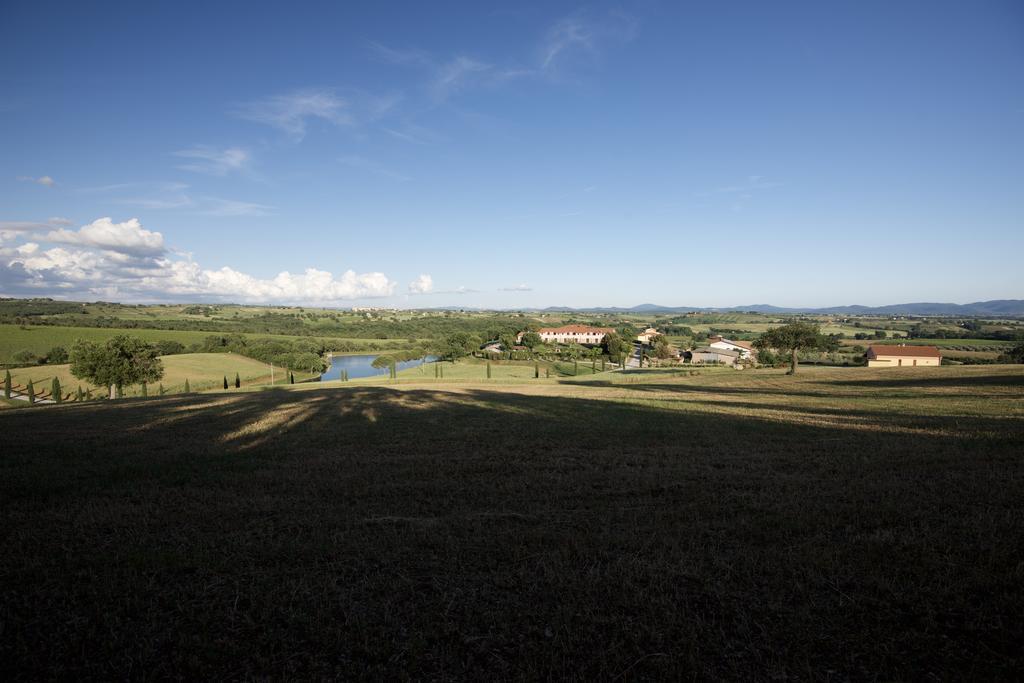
point(809, 386)
point(377, 532)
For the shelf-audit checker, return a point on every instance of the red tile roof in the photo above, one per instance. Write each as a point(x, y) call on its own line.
point(876, 350)
point(579, 329)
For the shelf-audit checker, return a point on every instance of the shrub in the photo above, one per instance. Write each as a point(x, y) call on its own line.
point(31, 391)
point(57, 355)
point(55, 390)
point(25, 357)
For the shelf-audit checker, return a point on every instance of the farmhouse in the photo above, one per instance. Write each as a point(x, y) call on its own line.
point(745, 349)
point(894, 356)
point(647, 335)
point(707, 354)
point(574, 334)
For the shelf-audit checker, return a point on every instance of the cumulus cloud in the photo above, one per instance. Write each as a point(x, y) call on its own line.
point(128, 237)
point(42, 180)
point(124, 260)
point(291, 111)
point(213, 161)
point(424, 284)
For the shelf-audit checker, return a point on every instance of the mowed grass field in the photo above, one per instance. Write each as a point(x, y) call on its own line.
point(202, 370)
point(840, 524)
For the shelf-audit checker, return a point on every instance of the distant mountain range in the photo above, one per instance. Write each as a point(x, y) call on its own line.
point(999, 307)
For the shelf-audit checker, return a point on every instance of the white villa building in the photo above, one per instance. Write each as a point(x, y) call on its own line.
point(573, 334)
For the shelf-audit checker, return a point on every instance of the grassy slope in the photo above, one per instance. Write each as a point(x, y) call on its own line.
point(42, 338)
point(865, 523)
point(203, 371)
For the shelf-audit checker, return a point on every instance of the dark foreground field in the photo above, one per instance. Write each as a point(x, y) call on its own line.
point(839, 525)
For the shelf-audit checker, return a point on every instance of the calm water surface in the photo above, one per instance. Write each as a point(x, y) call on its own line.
point(360, 366)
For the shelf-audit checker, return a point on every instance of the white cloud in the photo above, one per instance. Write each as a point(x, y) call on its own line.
point(125, 261)
point(59, 220)
point(213, 206)
point(517, 288)
point(290, 112)
point(42, 180)
point(583, 33)
point(454, 75)
point(128, 237)
point(213, 161)
point(424, 284)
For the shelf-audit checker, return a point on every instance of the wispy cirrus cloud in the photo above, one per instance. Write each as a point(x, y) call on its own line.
point(455, 75)
point(373, 167)
point(214, 161)
point(573, 41)
point(45, 181)
point(291, 112)
point(214, 206)
point(583, 35)
point(516, 288)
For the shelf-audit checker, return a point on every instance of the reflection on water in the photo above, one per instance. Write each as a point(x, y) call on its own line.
point(360, 366)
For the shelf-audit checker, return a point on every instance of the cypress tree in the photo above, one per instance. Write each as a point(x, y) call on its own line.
point(238, 381)
point(536, 371)
point(602, 365)
point(160, 389)
point(88, 394)
point(225, 381)
point(575, 367)
point(145, 389)
point(79, 397)
point(188, 390)
point(442, 372)
point(291, 377)
point(55, 391)
point(31, 391)
point(547, 373)
point(488, 369)
point(7, 384)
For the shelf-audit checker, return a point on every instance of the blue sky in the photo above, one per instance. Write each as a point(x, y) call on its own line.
point(477, 154)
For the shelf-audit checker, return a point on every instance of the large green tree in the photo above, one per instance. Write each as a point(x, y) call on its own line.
point(792, 338)
point(121, 361)
point(457, 345)
point(615, 345)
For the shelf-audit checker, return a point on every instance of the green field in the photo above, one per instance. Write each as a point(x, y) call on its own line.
point(840, 524)
point(202, 370)
point(40, 339)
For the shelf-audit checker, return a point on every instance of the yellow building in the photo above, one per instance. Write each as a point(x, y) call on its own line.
point(891, 356)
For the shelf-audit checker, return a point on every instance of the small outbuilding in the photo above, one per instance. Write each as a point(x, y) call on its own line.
point(902, 355)
point(707, 354)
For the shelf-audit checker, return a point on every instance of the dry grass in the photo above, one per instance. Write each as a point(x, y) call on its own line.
point(839, 524)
